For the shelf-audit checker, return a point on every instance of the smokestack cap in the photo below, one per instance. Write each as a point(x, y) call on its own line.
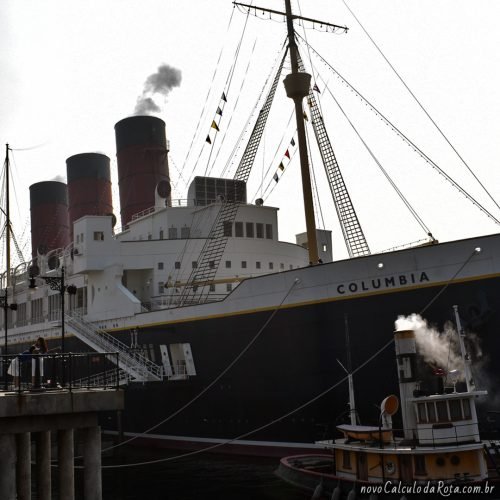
point(88, 165)
point(140, 131)
point(48, 192)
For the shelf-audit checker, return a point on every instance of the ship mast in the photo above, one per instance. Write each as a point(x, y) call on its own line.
point(7, 215)
point(297, 86)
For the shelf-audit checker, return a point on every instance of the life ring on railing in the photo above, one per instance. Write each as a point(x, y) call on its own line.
point(390, 467)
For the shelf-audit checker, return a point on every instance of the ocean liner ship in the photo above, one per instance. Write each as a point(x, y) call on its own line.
point(223, 330)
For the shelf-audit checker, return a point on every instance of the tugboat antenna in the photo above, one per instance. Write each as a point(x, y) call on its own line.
point(7, 215)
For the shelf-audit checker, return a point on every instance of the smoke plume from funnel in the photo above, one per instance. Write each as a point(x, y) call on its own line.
point(145, 106)
point(58, 178)
point(161, 82)
point(439, 349)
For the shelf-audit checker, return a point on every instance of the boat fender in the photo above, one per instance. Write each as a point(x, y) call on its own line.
point(318, 491)
point(337, 493)
point(352, 494)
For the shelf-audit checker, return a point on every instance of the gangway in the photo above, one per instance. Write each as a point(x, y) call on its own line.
point(135, 366)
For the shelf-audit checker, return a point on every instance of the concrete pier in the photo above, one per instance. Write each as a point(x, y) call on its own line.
point(66, 462)
point(8, 458)
point(28, 417)
point(23, 469)
point(92, 481)
point(43, 472)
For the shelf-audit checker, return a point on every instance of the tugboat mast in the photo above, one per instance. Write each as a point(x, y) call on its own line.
point(297, 86)
point(7, 215)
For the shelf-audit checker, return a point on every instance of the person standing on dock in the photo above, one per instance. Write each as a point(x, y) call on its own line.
point(14, 369)
point(41, 347)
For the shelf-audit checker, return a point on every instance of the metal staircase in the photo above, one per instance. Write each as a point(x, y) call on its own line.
point(136, 367)
point(353, 234)
point(197, 287)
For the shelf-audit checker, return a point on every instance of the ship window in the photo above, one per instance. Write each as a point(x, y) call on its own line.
point(282, 266)
point(98, 236)
point(249, 227)
point(455, 409)
point(257, 265)
point(431, 411)
point(177, 265)
point(212, 288)
point(229, 287)
point(238, 229)
point(81, 237)
point(419, 463)
point(161, 287)
point(211, 264)
point(37, 311)
point(54, 307)
point(194, 264)
point(78, 238)
point(21, 314)
point(269, 231)
point(172, 233)
point(422, 414)
point(259, 229)
point(324, 247)
point(466, 408)
point(228, 264)
point(346, 459)
point(185, 232)
point(271, 265)
point(442, 411)
point(150, 236)
point(244, 264)
point(160, 265)
point(291, 266)
point(161, 234)
point(228, 228)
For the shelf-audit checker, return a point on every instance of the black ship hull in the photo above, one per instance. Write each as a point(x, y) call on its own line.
point(293, 360)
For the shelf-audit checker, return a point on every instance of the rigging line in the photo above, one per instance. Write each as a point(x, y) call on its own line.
point(272, 182)
point(315, 184)
point(421, 106)
point(226, 86)
point(476, 251)
point(408, 141)
point(295, 410)
point(278, 149)
point(228, 125)
point(206, 99)
point(382, 169)
point(211, 384)
point(258, 103)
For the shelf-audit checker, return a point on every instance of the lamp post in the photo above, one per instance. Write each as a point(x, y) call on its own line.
point(58, 284)
point(6, 306)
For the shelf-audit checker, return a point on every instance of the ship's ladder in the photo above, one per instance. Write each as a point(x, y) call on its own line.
point(137, 367)
point(351, 228)
point(197, 288)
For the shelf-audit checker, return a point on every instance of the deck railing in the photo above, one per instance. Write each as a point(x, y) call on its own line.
point(69, 371)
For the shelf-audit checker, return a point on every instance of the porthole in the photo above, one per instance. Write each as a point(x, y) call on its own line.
point(390, 468)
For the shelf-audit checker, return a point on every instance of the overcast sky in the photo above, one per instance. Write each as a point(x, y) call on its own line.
point(72, 69)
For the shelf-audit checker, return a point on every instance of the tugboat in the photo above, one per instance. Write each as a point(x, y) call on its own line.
point(440, 451)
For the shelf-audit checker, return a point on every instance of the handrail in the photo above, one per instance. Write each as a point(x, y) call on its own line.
point(134, 361)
